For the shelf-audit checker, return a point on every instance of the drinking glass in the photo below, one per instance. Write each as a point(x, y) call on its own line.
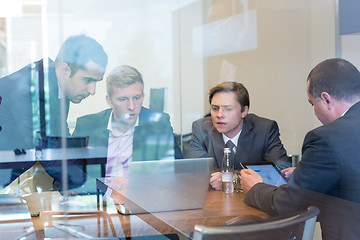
point(236, 181)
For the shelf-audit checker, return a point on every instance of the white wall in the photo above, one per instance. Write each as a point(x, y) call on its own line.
point(287, 38)
point(292, 37)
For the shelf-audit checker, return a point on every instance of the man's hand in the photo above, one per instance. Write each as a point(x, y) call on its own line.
point(249, 178)
point(118, 186)
point(215, 180)
point(288, 171)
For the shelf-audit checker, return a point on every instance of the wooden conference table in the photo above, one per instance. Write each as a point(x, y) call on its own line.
point(82, 216)
point(54, 157)
point(84, 219)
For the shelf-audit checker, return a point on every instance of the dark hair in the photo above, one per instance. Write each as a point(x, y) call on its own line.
point(242, 94)
point(78, 50)
point(122, 76)
point(337, 77)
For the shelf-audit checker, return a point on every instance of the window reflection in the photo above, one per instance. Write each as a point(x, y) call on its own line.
point(182, 49)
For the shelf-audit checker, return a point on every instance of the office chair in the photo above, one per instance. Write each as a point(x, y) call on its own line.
point(71, 142)
point(292, 226)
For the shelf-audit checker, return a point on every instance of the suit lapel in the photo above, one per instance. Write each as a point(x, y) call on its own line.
point(245, 142)
point(140, 133)
point(218, 145)
point(103, 138)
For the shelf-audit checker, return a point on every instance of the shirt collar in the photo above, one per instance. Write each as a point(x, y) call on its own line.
point(234, 139)
point(345, 112)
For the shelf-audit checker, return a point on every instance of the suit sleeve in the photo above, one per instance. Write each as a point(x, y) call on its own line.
point(261, 196)
point(318, 169)
point(282, 200)
point(275, 150)
point(197, 146)
point(154, 137)
point(177, 150)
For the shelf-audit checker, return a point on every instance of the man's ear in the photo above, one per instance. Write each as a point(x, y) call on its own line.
point(63, 71)
point(244, 112)
point(327, 99)
point(108, 101)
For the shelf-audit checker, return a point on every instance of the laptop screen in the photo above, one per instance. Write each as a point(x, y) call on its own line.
point(163, 185)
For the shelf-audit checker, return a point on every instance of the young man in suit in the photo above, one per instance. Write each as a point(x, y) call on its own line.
point(253, 138)
point(32, 96)
point(130, 131)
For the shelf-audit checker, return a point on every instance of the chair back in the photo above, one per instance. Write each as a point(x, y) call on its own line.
point(295, 226)
point(71, 142)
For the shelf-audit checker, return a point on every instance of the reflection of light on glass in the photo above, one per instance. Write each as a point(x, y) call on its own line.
point(11, 8)
point(121, 119)
point(32, 51)
point(227, 71)
point(14, 216)
point(44, 27)
point(233, 34)
point(155, 117)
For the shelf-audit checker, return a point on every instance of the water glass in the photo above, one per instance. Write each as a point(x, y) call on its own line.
point(236, 181)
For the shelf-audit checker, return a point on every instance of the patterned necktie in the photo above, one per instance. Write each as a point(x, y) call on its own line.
point(229, 144)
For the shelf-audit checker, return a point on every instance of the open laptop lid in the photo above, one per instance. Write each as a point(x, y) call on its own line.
point(165, 185)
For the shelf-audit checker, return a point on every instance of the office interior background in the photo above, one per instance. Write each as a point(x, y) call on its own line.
point(185, 47)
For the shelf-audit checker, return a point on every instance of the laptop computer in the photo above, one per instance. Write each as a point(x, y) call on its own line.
point(164, 185)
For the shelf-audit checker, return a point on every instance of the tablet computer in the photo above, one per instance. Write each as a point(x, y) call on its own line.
point(268, 171)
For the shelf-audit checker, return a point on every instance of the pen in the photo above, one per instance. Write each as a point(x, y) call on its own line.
point(242, 165)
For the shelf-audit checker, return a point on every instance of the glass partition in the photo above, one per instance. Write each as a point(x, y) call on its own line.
point(129, 86)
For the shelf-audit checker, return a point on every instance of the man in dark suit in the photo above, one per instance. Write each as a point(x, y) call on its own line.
point(254, 138)
point(32, 96)
point(129, 131)
point(330, 162)
point(37, 97)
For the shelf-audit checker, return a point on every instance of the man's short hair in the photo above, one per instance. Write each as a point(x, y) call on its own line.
point(122, 76)
point(242, 94)
point(337, 77)
point(78, 50)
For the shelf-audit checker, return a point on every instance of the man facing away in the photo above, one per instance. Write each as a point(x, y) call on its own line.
point(253, 138)
point(330, 164)
point(130, 131)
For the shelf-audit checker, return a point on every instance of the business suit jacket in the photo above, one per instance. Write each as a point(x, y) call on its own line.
point(16, 117)
point(339, 219)
point(259, 141)
point(153, 127)
point(330, 166)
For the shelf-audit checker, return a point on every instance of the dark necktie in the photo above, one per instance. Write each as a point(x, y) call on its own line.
point(229, 144)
